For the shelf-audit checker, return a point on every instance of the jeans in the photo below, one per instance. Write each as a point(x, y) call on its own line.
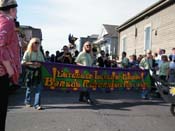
point(145, 93)
point(37, 89)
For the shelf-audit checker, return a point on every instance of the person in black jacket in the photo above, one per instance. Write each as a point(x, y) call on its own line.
point(101, 59)
point(65, 56)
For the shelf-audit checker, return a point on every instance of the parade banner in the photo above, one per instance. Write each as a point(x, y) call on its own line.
point(73, 77)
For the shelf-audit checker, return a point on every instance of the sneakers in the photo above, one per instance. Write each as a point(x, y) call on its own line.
point(89, 101)
point(146, 98)
point(38, 108)
point(28, 105)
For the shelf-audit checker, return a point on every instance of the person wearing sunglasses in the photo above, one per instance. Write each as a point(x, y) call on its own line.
point(32, 61)
point(84, 58)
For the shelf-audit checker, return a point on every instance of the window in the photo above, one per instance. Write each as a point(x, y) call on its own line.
point(147, 37)
point(123, 43)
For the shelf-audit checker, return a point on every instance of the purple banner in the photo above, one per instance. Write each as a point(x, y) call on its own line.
point(73, 77)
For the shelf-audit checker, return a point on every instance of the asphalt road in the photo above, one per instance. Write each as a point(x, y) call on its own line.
point(116, 111)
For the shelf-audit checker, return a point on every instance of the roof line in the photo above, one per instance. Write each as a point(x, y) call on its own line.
point(161, 4)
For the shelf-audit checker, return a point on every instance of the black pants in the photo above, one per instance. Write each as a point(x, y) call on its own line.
point(4, 86)
point(85, 94)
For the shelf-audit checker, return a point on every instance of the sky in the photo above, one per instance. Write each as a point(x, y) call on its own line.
point(58, 18)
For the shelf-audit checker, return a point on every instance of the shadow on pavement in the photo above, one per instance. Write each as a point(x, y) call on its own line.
point(116, 100)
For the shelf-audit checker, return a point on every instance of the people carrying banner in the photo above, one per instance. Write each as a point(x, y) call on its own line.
point(148, 63)
point(32, 61)
point(9, 54)
point(85, 59)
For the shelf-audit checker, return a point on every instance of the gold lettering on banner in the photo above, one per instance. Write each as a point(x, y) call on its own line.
point(54, 71)
point(49, 83)
point(128, 76)
point(96, 76)
point(76, 79)
point(127, 84)
point(62, 84)
point(86, 83)
point(73, 84)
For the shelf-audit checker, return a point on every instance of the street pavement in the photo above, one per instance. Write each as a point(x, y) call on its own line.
point(115, 111)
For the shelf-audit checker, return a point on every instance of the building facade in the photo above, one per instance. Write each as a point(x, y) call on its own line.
point(153, 28)
point(26, 33)
point(108, 39)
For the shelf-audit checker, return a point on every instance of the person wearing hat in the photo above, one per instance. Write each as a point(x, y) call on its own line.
point(9, 54)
